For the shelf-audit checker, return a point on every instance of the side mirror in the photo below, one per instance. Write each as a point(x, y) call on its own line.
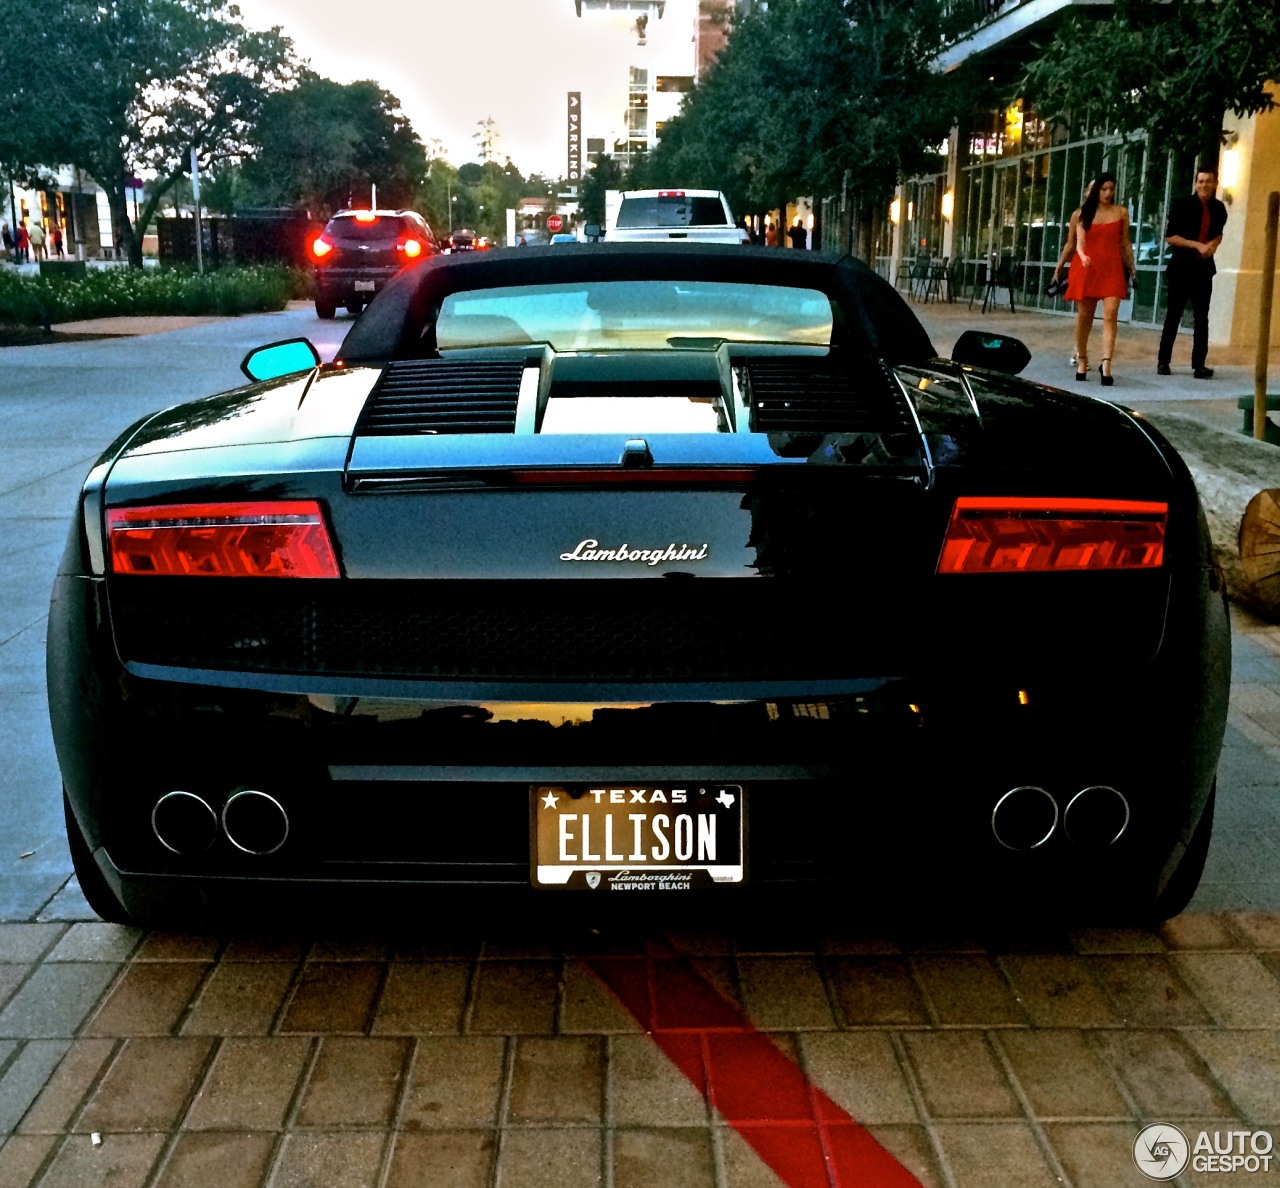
point(995, 352)
point(591, 231)
point(280, 358)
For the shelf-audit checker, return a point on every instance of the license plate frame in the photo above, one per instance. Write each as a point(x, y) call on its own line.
point(588, 838)
point(366, 286)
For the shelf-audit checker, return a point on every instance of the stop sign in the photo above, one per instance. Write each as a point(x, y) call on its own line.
point(554, 223)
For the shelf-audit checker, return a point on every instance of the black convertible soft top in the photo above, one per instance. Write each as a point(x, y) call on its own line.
point(874, 320)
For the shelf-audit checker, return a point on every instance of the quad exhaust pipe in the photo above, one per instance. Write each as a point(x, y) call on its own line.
point(1026, 817)
point(186, 824)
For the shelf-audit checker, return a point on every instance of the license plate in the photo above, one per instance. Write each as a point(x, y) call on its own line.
point(649, 838)
point(365, 286)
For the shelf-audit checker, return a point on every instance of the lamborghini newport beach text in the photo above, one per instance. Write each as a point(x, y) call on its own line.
point(637, 568)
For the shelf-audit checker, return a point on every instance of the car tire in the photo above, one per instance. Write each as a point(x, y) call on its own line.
point(1185, 879)
point(95, 888)
point(325, 310)
point(354, 308)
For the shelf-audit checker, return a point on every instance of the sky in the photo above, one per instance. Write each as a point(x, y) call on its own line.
point(453, 65)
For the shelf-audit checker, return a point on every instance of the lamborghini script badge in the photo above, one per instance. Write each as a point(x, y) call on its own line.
point(590, 550)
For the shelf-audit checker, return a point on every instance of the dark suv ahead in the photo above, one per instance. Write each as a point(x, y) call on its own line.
point(359, 251)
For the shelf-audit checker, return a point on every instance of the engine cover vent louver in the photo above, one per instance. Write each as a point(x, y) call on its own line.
point(821, 396)
point(431, 396)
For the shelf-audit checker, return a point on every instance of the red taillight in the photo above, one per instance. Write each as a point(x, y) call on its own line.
point(670, 193)
point(366, 216)
point(411, 247)
point(277, 539)
point(1032, 535)
point(320, 246)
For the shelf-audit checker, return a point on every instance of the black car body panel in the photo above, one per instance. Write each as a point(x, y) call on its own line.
point(876, 709)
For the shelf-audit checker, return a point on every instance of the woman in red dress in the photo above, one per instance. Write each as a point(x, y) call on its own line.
point(1100, 271)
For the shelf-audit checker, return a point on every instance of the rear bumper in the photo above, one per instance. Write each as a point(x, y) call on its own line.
point(340, 283)
point(419, 787)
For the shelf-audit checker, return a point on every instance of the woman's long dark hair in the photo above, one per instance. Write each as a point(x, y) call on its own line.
point(1090, 206)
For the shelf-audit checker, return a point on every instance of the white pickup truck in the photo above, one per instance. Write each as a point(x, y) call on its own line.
point(700, 216)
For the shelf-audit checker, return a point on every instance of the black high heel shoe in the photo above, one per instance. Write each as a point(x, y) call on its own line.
point(1082, 376)
point(1107, 380)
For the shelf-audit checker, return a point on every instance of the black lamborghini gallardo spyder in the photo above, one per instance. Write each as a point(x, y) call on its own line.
point(637, 569)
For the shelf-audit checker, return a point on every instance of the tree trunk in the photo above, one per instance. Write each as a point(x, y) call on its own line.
point(122, 228)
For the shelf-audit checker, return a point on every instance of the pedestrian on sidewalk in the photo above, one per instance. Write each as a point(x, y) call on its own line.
point(55, 240)
point(7, 237)
point(22, 243)
point(798, 235)
point(770, 235)
point(36, 235)
point(1100, 271)
point(1069, 248)
point(1193, 232)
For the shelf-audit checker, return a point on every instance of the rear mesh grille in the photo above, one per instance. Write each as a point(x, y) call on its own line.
point(543, 630)
point(816, 395)
point(431, 396)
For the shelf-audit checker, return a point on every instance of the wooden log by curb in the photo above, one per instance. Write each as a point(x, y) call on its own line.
point(1230, 471)
point(1259, 542)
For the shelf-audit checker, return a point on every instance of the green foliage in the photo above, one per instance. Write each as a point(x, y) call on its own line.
point(604, 175)
point(120, 292)
point(322, 145)
point(115, 87)
point(480, 195)
point(1169, 68)
point(806, 89)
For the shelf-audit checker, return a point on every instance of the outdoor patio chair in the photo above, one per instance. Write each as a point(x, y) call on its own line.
point(1000, 277)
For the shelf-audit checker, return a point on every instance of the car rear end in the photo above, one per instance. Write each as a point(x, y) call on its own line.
point(473, 622)
point(662, 216)
point(359, 252)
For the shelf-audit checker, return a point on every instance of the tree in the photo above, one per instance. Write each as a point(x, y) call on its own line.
point(807, 89)
point(138, 85)
point(1169, 69)
point(322, 145)
point(604, 175)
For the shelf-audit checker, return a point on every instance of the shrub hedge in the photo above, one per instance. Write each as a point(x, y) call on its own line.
point(124, 292)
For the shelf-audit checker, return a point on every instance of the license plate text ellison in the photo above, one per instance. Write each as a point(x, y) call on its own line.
point(612, 830)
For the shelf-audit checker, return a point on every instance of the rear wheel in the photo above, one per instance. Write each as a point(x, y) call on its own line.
point(97, 891)
point(354, 307)
point(1182, 886)
point(325, 308)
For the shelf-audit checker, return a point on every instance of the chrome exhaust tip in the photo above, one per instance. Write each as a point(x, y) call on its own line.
point(1024, 818)
point(255, 822)
point(1096, 817)
point(184, 823)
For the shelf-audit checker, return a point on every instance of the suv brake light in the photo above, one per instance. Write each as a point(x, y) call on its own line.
point(320, 247)
point(286, 539)
point(1036, 535)
point(411, 247)
point(670, 193)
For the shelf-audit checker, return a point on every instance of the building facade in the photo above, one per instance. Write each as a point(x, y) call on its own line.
point(1010, 182)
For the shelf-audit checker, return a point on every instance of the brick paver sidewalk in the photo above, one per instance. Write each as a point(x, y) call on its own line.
point(199, 1061)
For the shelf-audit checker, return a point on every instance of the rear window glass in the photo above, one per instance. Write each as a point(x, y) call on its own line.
point(634, 315)
point(671, 212)
point(381, 227)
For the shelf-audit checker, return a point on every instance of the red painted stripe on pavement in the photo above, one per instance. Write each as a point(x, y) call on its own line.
point(804, 1136)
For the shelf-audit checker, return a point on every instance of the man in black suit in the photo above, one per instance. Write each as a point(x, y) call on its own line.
point(1193, 232)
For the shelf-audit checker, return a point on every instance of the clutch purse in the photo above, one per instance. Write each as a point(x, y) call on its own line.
point(1055, 287)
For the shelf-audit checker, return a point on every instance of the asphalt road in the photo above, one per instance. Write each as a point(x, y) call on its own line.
point(61, 405)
